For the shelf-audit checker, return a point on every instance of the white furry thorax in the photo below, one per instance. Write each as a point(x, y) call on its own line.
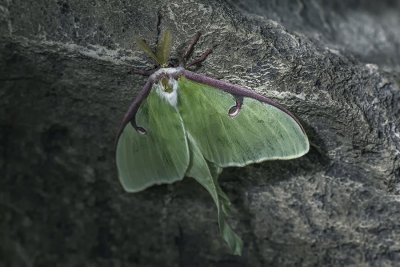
point(171, 74)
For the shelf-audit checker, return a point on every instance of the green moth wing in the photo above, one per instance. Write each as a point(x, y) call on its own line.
point(160, 156)
point(206, 174)
point(259, 132)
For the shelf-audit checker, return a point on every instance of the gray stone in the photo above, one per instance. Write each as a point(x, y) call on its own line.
point(64, 87)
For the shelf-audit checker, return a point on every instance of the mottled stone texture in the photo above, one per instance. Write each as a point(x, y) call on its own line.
point(64, 87)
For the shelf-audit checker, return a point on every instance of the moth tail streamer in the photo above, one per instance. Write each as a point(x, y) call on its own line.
point(206, 173)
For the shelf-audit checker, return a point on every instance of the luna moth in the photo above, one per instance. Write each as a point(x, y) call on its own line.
point(186, 124)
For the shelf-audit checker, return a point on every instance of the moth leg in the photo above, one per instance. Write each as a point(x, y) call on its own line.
point(234, 110)
point(189, 48)
point(199, 59)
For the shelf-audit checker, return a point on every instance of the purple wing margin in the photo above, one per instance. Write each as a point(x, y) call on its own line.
point(131, 113)
point(236, 91)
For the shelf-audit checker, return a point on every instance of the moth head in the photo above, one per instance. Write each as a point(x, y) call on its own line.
point(167, 85)
point(163, 49)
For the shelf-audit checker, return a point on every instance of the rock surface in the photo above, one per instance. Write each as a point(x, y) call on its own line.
point(64, 87)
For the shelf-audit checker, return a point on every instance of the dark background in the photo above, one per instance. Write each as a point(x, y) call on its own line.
point(64, 87)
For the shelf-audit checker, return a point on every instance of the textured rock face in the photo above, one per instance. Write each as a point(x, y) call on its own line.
point(64, 87)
